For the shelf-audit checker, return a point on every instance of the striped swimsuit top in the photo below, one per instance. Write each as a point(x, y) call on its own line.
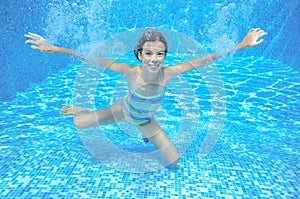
point(139, 109)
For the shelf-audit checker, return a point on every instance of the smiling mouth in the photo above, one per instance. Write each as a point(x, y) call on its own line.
point(154, 67)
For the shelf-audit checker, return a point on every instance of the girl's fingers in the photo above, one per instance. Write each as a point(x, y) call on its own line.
point(260, 41)
point(262, 33)
point(34, 36)
point(254, 29)
point(28, 41)
point(35, 47)
point(35, 42)
point(257, 30)
point(29, 36)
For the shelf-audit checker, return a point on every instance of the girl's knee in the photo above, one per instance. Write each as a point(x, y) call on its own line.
point(80, 123)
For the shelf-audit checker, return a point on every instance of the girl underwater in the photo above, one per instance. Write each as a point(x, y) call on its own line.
point(147, 84)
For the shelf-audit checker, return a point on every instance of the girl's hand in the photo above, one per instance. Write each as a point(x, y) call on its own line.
point(252, 38)
point(39, 43)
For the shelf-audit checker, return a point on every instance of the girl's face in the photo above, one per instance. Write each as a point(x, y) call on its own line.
point(153, 56)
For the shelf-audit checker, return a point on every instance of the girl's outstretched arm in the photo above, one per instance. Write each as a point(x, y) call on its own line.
point(40, 43)
point(253, 38)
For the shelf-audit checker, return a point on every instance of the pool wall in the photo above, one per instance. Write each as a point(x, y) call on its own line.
point(74, 22)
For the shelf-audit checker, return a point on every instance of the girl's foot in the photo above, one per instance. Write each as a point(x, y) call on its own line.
point(72, 110)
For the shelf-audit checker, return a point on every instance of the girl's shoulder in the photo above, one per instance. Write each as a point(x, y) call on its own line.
point(168, 74)
point(132, 72)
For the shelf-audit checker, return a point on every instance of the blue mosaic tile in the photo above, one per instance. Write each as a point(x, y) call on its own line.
point(42, 156)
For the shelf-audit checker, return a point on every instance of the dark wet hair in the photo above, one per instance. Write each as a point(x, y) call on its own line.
point(150, 34)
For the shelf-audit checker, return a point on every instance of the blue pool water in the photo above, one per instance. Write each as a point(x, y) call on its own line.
point(256, 155)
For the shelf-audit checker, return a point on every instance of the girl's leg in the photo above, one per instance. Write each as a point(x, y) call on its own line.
point(85, 118)
point(162, 142)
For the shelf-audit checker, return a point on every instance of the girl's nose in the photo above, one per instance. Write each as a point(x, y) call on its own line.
point(154, 57)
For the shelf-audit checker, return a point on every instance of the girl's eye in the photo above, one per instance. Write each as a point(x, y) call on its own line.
point(148, 53)
point(160, 54)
